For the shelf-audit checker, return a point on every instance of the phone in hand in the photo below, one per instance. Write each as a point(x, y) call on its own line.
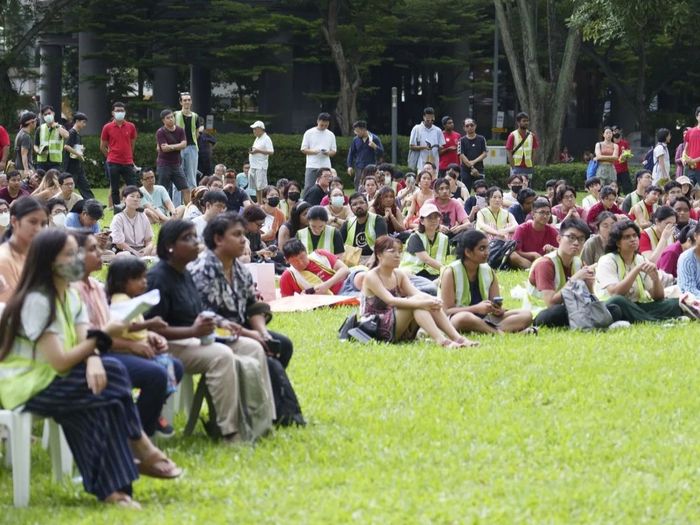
point(274, 346)
point(497, 301)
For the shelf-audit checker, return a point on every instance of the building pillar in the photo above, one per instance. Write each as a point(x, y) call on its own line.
point(200, 89)
point(165, 93)
point(92, 91)
point(50, 72)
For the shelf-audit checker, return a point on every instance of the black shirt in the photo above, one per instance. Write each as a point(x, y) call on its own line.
point(338, 245)
point(472, 148)
point(236, 199)
point(360, 240)
point(188, 130)
point(180, 303)
point(72, 165)
point(314, 195)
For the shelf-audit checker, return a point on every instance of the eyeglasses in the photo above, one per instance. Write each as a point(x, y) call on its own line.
point(574, 238)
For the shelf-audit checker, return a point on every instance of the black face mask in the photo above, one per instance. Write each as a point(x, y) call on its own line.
point(616, 135)
point(293, 196)
point(273, 201)
point(516, 189)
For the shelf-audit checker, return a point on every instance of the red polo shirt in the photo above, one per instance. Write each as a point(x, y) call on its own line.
point(119, 139)
point(4, 138)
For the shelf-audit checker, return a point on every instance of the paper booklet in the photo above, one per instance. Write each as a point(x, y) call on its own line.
point(128, 310)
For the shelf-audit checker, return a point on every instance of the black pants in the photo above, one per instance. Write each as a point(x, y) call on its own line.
point(625, 182)
point(114, 174)
point(46, 166)
point(81, 182)
point(557, 317)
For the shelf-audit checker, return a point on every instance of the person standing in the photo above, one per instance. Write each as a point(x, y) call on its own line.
point(117, 143)
point(425, 141)
point(472, 152)
point(520, 147)
point(24, 144)
point(74, 156)
point(171, 140)
point(4, 148)
point(691, 152)
point(365, 149)
point(258, 159)
point(662, 159)
point(318, 144)
point(449, 153)
point(48, 141)
point(190, 122)
point(624, 180)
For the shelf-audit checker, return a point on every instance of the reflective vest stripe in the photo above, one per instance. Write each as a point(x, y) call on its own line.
point(642, 295)
point(462, 286)
point(438, 251)
point(524, 151)
point(52, 139)
point(500, 220)
point(325, 241)
point(180, 121)
point(559, 273)
point(653, 238)
point(370, 230)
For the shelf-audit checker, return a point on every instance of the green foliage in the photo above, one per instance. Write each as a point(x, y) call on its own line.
point(563, 428)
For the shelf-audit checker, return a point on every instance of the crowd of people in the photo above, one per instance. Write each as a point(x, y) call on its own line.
point(416, 248)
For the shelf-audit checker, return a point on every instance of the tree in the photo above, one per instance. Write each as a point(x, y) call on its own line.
point(544, 92)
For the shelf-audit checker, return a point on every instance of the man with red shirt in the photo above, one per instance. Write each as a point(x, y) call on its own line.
point(117, 145)
point(4, 148)
point(608, 198)
point(691, 153)
point(13, 190)
point(520, 147)
point(319, 272)
point(449, 152)
point(624, 181)
point(537, 237)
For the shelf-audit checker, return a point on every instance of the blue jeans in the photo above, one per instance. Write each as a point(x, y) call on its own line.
point(693, 175)
point(190, 158)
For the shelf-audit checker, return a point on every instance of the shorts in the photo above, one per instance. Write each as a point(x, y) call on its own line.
point(257, 178)
point(172, 174)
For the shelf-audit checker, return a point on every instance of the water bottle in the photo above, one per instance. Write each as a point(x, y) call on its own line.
point(208, 339)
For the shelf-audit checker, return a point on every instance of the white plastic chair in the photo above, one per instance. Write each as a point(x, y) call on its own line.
point(181, 400)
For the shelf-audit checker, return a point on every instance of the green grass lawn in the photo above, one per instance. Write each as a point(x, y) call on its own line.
point(561, 428)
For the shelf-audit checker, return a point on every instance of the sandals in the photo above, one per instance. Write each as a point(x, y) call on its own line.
point(158, 465)
point(122, 500)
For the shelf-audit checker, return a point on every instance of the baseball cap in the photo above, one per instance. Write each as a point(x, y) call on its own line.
point(258, 124)
point(683, 180)
point(428, 209)
point(453, 166)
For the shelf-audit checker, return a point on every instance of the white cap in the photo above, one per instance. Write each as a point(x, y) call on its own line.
point(258, 124)
point(428, 209)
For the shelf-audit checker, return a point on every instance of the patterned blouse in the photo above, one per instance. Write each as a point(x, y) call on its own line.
point(231, 301)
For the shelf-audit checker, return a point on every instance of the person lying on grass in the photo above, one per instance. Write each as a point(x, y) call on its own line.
point(551, 273)
point(632, 282)
point(470, 293)
point(318, 272)
point(399, 308)
point(52, 365)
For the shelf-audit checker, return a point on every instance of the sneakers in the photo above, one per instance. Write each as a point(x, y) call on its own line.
point(164, 429)
point(619, 324)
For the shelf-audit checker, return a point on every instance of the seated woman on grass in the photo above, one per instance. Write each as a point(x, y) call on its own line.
point(594, 248)
point(62, 374)
point(319, 235)
point(338, 209)
point(656, 238)
point(274, 217)
point(426, 249)
point(470, 293)
point(632, 282)
point(131, 229)
point(642, 212)
point(419, 197)
point(399, 307)
point(296, 222)
point(668, 260)
point(567, 209)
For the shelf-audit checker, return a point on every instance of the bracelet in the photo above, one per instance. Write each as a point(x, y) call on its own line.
point(103, 341)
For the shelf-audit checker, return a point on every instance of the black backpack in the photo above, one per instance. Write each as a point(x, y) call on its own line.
point(286, 402)
point(648, 162)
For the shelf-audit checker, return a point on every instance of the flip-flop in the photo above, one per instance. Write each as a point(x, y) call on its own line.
point(158, 465)
point(122, 500)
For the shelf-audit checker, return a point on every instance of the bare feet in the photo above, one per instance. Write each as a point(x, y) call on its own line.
point(122, 500)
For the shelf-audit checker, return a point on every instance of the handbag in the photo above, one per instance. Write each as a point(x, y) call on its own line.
point(351, 256)
point(585, 311)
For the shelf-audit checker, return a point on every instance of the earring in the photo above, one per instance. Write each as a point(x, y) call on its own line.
point(170, 250)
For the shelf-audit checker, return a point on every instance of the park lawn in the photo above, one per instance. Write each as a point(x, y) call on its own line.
point(560, 428)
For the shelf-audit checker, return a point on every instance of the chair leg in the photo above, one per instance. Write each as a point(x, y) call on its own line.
point(196, 406)
point(21, 437)
point(61, 456)
point(185, 393)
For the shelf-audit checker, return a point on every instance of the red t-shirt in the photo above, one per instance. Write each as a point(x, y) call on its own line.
point(510, 144)
point(289, 286)
point(644, 242)
point(596, 210)
point(450, 157)
point(531, 240)
point(119, 140)
point(4, 138)
point(621, 167)
point(693, 141)
point(543, 276)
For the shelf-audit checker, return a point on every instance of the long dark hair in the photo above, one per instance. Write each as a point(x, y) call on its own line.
point(468, 241)
point(294, 224)
point(22, 207)
point(378, 206)
point(37, 275)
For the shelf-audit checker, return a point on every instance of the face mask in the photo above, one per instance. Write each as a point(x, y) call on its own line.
point(4, 219)
point(273, 201)
point(48, 118)
point(616, 135)
point(387, 180)
point(119, 115)
point(293, 196)
point(71, 271)
point(338, 200)
point(59, 220)
point(410, 181)
point(516, 189)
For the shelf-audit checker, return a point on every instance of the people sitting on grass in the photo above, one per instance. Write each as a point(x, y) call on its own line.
point(67, 184)
point(53, 368)
point(453, 217)
point(523, 207)
point(477, 201)
point(681, 205)
point(516, 183)
point(226, 288)
point(319, 235)
point(643, 178)
point(361, 231)
point(237, 197)
point(592, 186)
point(131, 229)
point(338, 210)
point(470, 293)
point(336, 184)
point(567, 208)
point(318, 272)
point(419, 197)
point(297, 221)
point(242, 395)
point(385, 206)
point(57, 212)
point(48, 187)
point(314, 194)
point(632, 282)
point(28, 216)
point(689, 264)
point(156, 202)
point(498, 223)
point(426, 249)
point(668, 260)
point(594, 248)
point(257, 250)
point(195, 208)
point(370, 186)
point(551, 273)
point(214, 202)
point(671, 191)
point(400, 309)
point(608, 202)
point(656, 238)
point(274, 217)
point(642, 212)
point(536, 237)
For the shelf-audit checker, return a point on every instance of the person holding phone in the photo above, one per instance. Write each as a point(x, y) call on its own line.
point(470, 293)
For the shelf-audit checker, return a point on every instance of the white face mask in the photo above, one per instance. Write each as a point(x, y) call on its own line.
point(119, 115)
point(59, 220)
point(4, 219)
point(48, 118)
point(387, 180)
point(337, 200)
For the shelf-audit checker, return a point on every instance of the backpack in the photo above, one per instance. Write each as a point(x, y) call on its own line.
point(648, 162)
point(591, 169)
point(499, 252)
point(585, 311)
point(286, 402)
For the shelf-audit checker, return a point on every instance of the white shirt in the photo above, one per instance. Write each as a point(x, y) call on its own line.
point(420, 135)
point(659, 150)
point(318, 139)
point(259, 161)
point(199, 224)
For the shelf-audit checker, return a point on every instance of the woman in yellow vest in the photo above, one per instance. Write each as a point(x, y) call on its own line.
point(642, 211)
point(426, 249)
point(318, 235)
point(470, 293)
point(656, 238)
point(398, 308)
point(52, 366)
point(632, 282)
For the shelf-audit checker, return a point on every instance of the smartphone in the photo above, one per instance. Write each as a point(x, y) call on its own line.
point(274, 346)
point(497, 301)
